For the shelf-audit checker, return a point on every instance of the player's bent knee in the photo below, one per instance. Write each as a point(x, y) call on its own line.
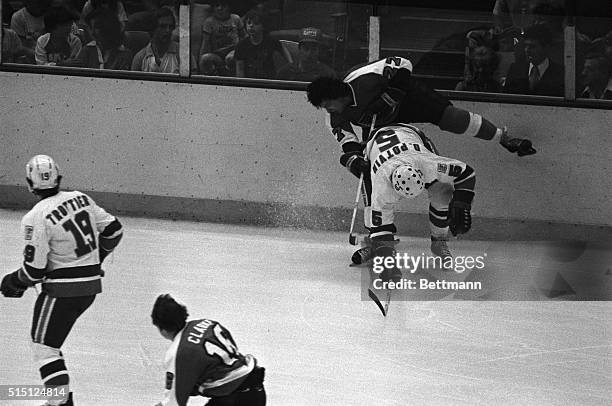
point(456, 120)
point(440, 194)
point(43, 353)
point(460, 121)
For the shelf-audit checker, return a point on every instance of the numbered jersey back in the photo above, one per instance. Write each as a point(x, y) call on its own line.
point(61, 231)
point(207, 352)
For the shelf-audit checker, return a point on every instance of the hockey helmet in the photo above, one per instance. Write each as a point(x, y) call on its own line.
point(42, 173)
point(407, 180)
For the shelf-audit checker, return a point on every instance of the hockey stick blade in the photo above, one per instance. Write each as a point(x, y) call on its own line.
point(353, 239)
point(384, 309)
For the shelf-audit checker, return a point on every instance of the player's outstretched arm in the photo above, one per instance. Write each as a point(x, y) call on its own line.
point(464, 122)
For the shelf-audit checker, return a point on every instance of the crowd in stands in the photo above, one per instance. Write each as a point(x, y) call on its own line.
point(532, 31)
point(142, 35)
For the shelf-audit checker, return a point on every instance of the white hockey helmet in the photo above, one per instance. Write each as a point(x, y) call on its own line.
point(408, 181)
point(42, 173)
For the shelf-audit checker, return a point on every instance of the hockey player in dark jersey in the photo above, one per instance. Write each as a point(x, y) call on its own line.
point(66, 238)
point(203, 360)
point(386, 88)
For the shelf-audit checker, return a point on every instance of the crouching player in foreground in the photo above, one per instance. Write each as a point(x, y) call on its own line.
point(403, 162)
point(66, 238)
point(203, 360)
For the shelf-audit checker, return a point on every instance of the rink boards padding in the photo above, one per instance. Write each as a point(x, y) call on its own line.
point(307, 217)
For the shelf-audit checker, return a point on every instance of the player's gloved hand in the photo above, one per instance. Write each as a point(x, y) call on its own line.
point(519, 145)
point(11, 286)
point(384, 106)
point(459, 215)
point(355, 163)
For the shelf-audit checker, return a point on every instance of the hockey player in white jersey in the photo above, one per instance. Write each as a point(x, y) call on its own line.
point(66, 238)
point(404, 163)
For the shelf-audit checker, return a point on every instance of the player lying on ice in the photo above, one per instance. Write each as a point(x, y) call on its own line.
point(403, 163)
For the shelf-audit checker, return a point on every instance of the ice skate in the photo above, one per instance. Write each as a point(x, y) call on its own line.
point(439, 248)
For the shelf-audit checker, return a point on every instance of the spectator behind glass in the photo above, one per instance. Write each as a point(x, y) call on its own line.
point(106, 50)
point(482, 66)
point(553, 16)
point(307, 67)
point(537, 75)
point(141, 20)
point(59, 44)
point(29, 24)
point(254, 54)
point(12, 50)
point(608, 47)
point(596, 77)
point(221, 32)
point(115, 6)
point(162, 53)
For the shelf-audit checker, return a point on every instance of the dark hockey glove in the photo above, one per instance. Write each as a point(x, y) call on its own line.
point(355, 163)
point(459, 216)
point(11, 285)
point(521, 146)
point(384, 106)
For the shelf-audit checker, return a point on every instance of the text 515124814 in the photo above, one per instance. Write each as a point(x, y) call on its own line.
point(32, 392)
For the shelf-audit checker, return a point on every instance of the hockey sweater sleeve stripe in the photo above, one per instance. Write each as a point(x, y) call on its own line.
point(111, 235)
point(30, 275)
point(466, 181)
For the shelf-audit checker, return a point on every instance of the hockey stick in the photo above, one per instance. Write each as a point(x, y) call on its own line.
point(353, 238)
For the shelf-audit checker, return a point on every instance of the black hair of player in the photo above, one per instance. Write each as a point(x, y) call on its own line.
point(44, 193)
point(326, 88)
point(168, 314)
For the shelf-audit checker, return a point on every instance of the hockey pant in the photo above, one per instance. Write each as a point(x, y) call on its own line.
point(423, 104)
point(250, 393)
point(52, 321)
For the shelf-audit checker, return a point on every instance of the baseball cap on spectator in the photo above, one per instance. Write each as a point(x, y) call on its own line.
point(311, 34)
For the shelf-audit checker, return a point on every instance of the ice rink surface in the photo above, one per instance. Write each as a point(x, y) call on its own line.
point(289, 298)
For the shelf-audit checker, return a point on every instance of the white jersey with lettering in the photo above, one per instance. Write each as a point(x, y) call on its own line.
point(61, 235)
point(393, 146)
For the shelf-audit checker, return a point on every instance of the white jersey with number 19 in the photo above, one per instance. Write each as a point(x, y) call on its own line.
point(61, 235)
